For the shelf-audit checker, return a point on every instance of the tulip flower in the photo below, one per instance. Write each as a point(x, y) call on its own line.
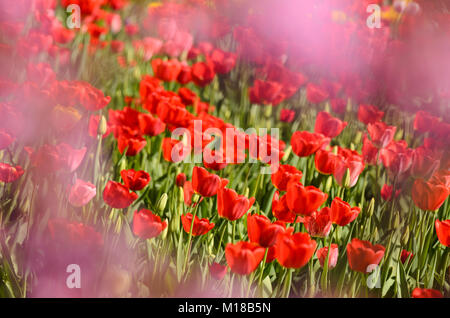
point(318, 223)
point(316, 94)
point(244, 257)
point(325, 161)
point(362, 254)
point(305, 143)
point(381, 134)
point(328, 125)
point(200, 227)
point(202, 73)
point(426, 293)
point(135, 180)
point(166, 71)
point(231, 205)
point(180, 179)
point(406, 256)
point(262, 231)
point(341, 212)
point(206, 184)
point(304, 200)
point(424, 121)
point(150, 125)
point(368, 114)
point(81, 193)
point(443, 232)
point(10, 173)
point(217, 271)
point(280, 209)
point(147, 225)
point(322, 254)
point(294, 250)
point(284, 174)
point(428, 195)
point(118, 196)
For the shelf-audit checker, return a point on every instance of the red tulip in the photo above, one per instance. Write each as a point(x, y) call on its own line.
point(174, 150)
point(135, 180)
point(147, 225)
point(244, 257)
point(427, 195)
point(9, 173)
point(185, 75)
point(81, 193)
point(362, 254)
point(202, 73)
point(133, 144)
point(223, 61)
point(443, 232)
point(294, 250)
point(341, 212)
point(287, 115)
point(187, 96)
point(305, 143)
point(118, 196)
point(369, 151)
point(149, 125)
point(424, 121)
point(304, 200)
point(328, 125)
point(180, 179)
point(318, 223)
point(424, 163)
point(201, 226)
point(231, 205)
point(280, 209)
point(262, 231)
point(322, 254)
point(265, 92)
point(217, 271)
point(426, 293)
point(188, 192)
point(381, 134)
point(325, 161)
point(167, 70)
point(351, 162)
point(5, 139)
point(206, 184)
point(368, 114)
point(406, 256)
point(386, 192)
point(284, 174)
point(316, 94)
point(396, 157)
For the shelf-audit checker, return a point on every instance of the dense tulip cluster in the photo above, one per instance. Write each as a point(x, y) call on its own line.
point(121, 149)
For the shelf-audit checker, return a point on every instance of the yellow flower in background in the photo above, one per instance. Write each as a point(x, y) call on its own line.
point(338, 16)
point(155, 4)
point(390, 14)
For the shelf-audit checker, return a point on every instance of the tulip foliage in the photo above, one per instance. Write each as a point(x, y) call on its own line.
point(209, 149)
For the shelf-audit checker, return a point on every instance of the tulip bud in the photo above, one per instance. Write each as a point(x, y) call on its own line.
point(102, 126)
point(357, 139)
point(161, 205)
point(180, 179)
point(405, 236)
point(347, 178)
point(328, 184)
point(371, 207)
point(268, 111)
point(123, 164)
point(247, 192)
point(396, 221)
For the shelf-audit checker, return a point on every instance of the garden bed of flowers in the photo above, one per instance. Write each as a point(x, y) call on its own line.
point(224, 148)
